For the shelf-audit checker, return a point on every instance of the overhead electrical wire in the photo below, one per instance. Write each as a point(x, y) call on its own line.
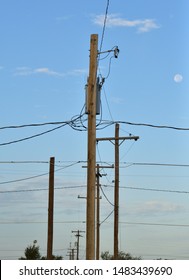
point(155, 224)
point(41, 189)
point(152, 125)
point(104, 25)
point(104, 185)
point(100, 161)
point(157, 164)
point(107, 217)
point(106, 197)
point(77, 123)
point(32, 125)
point(74, 222)
point(32, 136)
point(150, 189)
point(76, 120)
point(40, 175)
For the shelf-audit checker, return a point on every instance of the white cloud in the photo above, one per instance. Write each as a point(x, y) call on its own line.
point(23, 71)
point(49, 72)
point(27, 71)
point(153, 208)
point(157, 207)
point(113, 20)
point(178, 78)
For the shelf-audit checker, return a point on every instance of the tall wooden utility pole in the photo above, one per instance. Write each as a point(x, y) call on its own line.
point(116, 192)
point(50, 210)
point(91, 166)
point(98, 212)
point(115, 140)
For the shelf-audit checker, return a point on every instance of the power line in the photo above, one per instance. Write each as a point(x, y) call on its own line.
point(153, 126)
point(107, 217)
point(41, 162)
point(150, 189)
point(106, 197)
point(81, 222)
point(105, 162)
point(104, 25)
point(157, 164)
point(40, 222)
point(156, 190)
point(110, 186)
point(31, 125)
point(108, 163)
point(83, 186)
point(42, 189)
point(36, 176)
point(155, 224)
point(23, 162)
point(74, 121)
point(30, 137)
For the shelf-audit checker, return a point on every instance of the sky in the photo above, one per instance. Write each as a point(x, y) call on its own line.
point(44, 66)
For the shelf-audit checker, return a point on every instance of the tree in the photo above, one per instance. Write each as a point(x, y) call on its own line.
point(121, 256)
point(32, 253)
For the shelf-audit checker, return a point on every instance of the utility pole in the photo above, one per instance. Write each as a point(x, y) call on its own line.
point(98, 175)
point(50, 210)
point(71, 253)
point(116, 193)
point(78, 235)
point(98, 197)
point(91, 111)
point(115, 141)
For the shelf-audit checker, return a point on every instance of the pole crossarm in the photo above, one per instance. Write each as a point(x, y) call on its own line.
point(102, 166)
point(117, 138)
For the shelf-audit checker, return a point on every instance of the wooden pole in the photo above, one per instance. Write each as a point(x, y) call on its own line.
point(115, 141)
point(116, 193)
point(98, 213)
point(91, 172)
point(50, 210)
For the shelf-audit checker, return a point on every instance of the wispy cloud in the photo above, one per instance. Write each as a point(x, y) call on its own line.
point(155, 207)
point(49, 72)
point(27, 71)
point(113, 20)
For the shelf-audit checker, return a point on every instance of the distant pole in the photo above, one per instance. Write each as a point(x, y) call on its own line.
point(78, 235)
point(91, 170)
point(116, 143)
point(50, 210)
point(72, 255)
point(116, 193)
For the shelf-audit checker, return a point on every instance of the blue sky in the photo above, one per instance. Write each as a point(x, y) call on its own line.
point(44, 63)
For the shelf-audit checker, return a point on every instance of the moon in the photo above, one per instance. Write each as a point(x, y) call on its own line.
point(178, 78)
